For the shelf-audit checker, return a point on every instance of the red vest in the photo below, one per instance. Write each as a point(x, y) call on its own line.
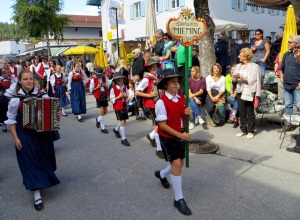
point(5, 83)
point(175, 112)
point(77, 78)
point(58, 80)
point(42, 70)
point(118, 105)
point(148, 102)
point(97, 93)
point(15, 71)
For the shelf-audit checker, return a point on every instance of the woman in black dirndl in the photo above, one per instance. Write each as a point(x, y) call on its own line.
point(34, 150)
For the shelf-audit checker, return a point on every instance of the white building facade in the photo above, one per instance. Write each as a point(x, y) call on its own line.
point(9, 49)
point(131, 16)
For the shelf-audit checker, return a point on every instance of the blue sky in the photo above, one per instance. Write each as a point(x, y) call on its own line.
point(77, 7)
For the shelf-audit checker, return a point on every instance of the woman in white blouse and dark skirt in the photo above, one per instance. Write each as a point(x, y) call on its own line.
point(248, 91)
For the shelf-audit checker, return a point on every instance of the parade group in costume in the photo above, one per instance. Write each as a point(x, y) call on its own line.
point(43, 69)
point(58, 81)
point(171, 117)
point(99, 88)
point(76, 90)
point(35, 150)
point(118, 97)
point(145, 89)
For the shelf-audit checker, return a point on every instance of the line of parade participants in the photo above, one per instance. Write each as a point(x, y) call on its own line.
point(146, 95)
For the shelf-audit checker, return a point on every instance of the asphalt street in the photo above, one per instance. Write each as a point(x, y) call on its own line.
point(102, 179)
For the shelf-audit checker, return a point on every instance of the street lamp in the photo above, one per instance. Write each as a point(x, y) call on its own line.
point(118, 45)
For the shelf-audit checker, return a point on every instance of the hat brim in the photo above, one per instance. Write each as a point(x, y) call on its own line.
point(99, 74)
point(161, 83)
point(118, 77)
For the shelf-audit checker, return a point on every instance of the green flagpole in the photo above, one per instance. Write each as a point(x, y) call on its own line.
point(186, 89)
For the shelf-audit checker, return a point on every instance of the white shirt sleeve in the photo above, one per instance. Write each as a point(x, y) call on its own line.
point(12, 111)
point(11, 91)
point(142, 85)
point(112, 96)
point(160, 111)
point(37, 69)
point(223, 82)
point(92, 85)
point(70, 80)
point(208, 81)
point(127, 92)
point(52, 80)
point(84, 77)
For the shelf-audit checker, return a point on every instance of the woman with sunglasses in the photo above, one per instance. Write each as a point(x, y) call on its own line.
point(261, 51)
point(165, 59)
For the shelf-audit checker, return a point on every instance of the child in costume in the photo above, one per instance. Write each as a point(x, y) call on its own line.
point(171, 117)
point(118, 97)
point(99, 88)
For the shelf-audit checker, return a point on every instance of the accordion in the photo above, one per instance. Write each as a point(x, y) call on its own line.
point(40, 114)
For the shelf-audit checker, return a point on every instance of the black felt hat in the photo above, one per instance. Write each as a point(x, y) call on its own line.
point(167, 73)
point(98, 70)
point(118, 75)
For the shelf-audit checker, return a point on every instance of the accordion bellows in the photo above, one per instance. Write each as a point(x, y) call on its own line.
point(40, 114)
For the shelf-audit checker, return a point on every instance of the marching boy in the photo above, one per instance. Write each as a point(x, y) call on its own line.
point(170, 114)
point(99, 89)
point(118, 97)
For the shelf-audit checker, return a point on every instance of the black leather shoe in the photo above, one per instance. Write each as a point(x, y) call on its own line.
point(38, 207)
point(164, 181)
point(125, 142)
point(293, 149)
point(4, 128)
point(104, 131)
point(97, 123)
point(160, 154)
point(182, 207)
point(152, 141)
point(117, 133)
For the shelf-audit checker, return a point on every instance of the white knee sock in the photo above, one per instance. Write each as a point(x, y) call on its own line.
point(101, 120)
point(152, 134)
point(63, 110)
point(177, 187)
point(118, 127)
point(165, 172)
point(122, 131)
point(37, 195)
point(157, 141)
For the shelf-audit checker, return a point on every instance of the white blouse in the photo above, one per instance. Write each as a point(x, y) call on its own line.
point(211, 84)
point(13, 106)
point(84, 78)
point(113, 96)
point(52, 78)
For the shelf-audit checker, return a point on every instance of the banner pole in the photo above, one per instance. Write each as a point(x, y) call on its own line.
point(187, 117)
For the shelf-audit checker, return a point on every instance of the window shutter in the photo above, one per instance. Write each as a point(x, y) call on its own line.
point(166, 5)
point(252, 8)
point(245, 5)
point(233, 4)
point(160, 5)
point(142, 4)
point(131, 12)
point(181, 3)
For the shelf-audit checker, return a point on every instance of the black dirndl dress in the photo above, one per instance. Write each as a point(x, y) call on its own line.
point(36, 159)
point(60, 93)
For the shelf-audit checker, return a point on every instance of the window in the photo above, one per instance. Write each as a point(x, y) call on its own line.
point(155, 4)
point(273, 11)
point(137, 10)
point(174, 3)
point(239, 5)
point(257, 9)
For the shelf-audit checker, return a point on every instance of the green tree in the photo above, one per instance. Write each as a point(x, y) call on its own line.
point(39, 18)
point(206, 44)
